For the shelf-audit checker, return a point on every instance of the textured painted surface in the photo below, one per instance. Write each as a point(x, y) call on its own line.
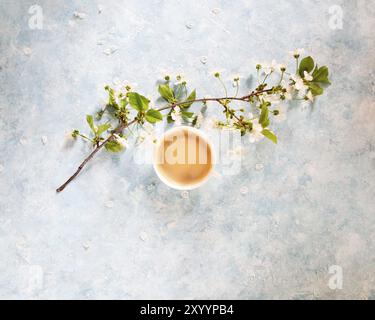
point(117, 232)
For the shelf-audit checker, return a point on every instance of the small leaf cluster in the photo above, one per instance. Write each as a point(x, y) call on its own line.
point(319, 75)
point(177, 96)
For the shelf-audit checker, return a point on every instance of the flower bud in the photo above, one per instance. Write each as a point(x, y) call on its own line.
point(75, 133)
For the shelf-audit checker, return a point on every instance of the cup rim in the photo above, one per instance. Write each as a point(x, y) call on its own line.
point(177, 186)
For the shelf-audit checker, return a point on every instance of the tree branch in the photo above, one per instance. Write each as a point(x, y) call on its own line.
point(123, 126)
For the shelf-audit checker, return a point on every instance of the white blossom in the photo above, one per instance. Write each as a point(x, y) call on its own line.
point(129, 86)
point(177, 116)
point(282, 67)
point(268, 68)
point(180, 79)
point(165, 74)
point(297, 52)
point(310, 96)
point(69, 136)
point(307, 76)
point(256, 132)
point(299, 84)
point(198, 121)
point(122, 141)
point(148, 137)
point(236, 80)
point(289, 92)
point(217, 73)
point(281, 113)
point(274, 99)
point(210, 123)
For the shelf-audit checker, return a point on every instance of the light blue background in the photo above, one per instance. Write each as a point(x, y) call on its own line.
point(117, 231)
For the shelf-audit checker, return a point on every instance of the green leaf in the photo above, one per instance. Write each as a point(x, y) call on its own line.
point(169, 118)
point(90, 121)
point(321, 75)
point(191, 98)
point(123, 103)
point(186, 115)
point(166, 92)
point(113, 146)
point(316, 89)
point(102, 128)
point(195, 120)
point(264, 119)
point(153, 116)
point(137, 101)
point(111, 97)
point(307, 64)
point(270, 135)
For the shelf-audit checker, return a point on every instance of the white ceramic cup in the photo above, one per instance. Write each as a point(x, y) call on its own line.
point(173, 184)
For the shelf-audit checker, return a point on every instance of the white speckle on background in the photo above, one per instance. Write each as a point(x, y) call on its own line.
point(259, 166)
point(244, 190)
point(86, 245)
point(216, 174)
point(143, 236)
point(204, 59)
point(216, 10)
point(23, 141)
point(44, 139)
point(150, 187)
point(79, 15)
point(110, 50)
point(171, 224)
point(184, 194)
point(109, 204)
point(189, 25)
point(100, 9)
point(27, 51)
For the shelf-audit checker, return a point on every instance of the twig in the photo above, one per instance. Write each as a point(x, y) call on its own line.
point(92, 154)
point(123, 126)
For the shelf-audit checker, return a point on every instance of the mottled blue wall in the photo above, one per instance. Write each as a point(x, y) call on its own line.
point(117, 231)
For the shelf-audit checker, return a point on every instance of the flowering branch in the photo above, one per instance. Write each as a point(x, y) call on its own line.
point(128, 107)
